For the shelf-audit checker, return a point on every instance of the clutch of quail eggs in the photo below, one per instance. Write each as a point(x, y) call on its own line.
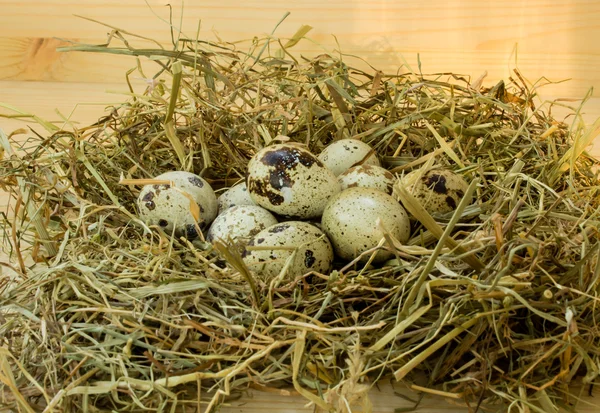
point(298, 211)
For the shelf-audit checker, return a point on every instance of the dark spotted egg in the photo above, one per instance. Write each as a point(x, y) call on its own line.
point(290, 181)
point(234, 196)
point(239, 223)
point(341, 155)
point(310, 246)
point(438, 190)
point(170, 206)
point(350, 222)
point(368, 176)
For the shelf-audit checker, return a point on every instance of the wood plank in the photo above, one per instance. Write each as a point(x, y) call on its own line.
point(84, 103)
point(37, 59)
point(555, 39)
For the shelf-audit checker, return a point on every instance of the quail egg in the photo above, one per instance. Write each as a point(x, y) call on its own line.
point(313, 251)
point(349, 220)
point(236, 195)
point(368, 176)
point(438, 190)
point(290, 181)
point(169, 206)
point(240, 222)
point(341, 155)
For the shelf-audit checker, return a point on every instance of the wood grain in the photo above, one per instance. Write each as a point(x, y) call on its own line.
point(81, 103)
point(555, 39)
point(84, 103)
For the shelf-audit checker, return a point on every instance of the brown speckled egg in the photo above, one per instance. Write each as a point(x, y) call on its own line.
point(368, 176)
point(167, 207)
point(290, 181)
point(438, 190)
point(313, 250)
point(349, 220)
point(236, 195)
point(240, 222)
point(341, 155)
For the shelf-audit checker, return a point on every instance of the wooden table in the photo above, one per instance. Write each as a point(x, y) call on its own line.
point(543, 38)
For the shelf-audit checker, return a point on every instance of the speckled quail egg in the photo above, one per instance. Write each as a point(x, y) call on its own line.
point(290, 181)
point(168, 206)
point(341, 155)
point(438, 190)
point(236, 195)
point(368, 176)
point(240, 222)
point(313, 250)
point(349, 220)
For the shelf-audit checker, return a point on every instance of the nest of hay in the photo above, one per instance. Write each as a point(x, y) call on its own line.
point(493, 304)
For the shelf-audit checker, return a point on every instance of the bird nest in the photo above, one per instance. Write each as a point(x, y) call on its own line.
point(492, 304)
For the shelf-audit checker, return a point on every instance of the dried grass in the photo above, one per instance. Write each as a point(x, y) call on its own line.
point(494, 304)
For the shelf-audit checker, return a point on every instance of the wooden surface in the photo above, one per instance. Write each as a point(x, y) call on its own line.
point(543, 38)
point(558, 40)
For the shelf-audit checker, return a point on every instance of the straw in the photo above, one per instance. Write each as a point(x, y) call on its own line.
point(493, 304)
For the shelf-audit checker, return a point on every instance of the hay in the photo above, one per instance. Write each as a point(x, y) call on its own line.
point(491, 305)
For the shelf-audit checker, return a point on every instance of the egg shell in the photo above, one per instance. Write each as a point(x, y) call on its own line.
point(240, 222)
point(368, 176)
point(438, 190)
point(236, 195)
point(341, 155)
point(314, 251)
point(290, 181)
point(166, 206)
point(349, 220)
